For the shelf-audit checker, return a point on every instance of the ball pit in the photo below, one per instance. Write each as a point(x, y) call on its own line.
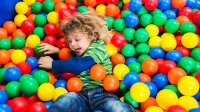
point(154, 49)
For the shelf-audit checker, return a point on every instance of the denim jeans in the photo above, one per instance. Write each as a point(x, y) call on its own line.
point(90, 100)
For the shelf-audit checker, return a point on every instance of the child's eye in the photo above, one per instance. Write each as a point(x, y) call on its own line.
point(77, 40)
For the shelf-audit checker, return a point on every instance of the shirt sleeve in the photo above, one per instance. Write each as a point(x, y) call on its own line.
point(73, 65)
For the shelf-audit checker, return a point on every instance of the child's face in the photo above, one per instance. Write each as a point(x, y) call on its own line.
point(78, 42)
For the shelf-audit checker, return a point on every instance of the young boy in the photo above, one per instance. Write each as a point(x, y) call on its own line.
point(86, 34)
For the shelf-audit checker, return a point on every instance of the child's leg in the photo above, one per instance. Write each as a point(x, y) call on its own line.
point(70, 102)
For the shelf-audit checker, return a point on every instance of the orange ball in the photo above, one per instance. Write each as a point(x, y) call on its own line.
point(31, 17)
point(98, 72)
point(56, 1)
point(112, 10)
point(117, 59)
point(74, 84)
point(64, 54)
point(52, 78)
point(3, 33)
point(29, 11)
point(10, 26)
point(150, 66)
point(71, 2)
point(144, 77)
point(4, 56)
point(91, 3)
point(182, 19)
point(18, 32)
point(175, 74)
point(111, 83)
point(149, 102)
point(178, 3)
point(59, 6)
point(9, 64)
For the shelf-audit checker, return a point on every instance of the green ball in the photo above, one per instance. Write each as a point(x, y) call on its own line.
point(48, 6)
point(156, 11)
point(36, 7)
point(29, 87)
point(41, 76)
point(187, 63)
point(37, 52)
point(135, 67)
point(39, 31)
point(187, 27)
point(195, 54)
point(18, 42)
point(129, 33)
point(145, 19)
point(196, 67)
point(141, 35)
point(125, 13)
point(142, 48)
point(122, 88)
point(82, 9)
point(119, 25)
point(12, 89)
point(174, 89)
point(143, 10)
point(5, 44)
point(171, 25)
point(25, 77)
point(143, 57)
point(2, 75)
point(159, 19)
point(120, 4)
point(40, 20)
point(128, 99)
point(128, 50)
point(110, 20)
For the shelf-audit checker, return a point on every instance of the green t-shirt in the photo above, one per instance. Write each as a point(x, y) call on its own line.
point(97, 50)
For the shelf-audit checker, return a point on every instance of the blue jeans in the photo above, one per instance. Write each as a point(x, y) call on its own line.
point(90, 100)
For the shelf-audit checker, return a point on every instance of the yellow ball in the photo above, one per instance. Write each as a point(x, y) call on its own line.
point(188, 85)
point(19, 18)
point(140, 92)
point(152, 29)
point(101, 9)
point(166, 98)
point(126, 1)
point(120, 70)
point(32, 41)
point(111, 49)
point(18, 56)
point(154, 109)
point(58, 92)
point(168, 42)
point(46, 92)
point(29, 2)
point(154, 41)
point(21, 8)
point(52, 17)
point(122, 99)
point(189, 40)
point(188, 102)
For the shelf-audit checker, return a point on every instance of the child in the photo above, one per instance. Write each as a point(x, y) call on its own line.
point(85, 34)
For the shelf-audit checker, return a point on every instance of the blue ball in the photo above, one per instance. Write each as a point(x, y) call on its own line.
point(131, 20)
point(195, 110)
point(33, 71)
point(164, 4)
point(5, 108)
point(60, 83)
point(153, 89)
point(12, 74)
point(197, 4)
point(160, 80)
point(157, 52)
point(130, 60)
point(48, 104)
point(170, 14)
point(197, 95)
point(3, 97)
point(174, 55)
point(135, 5)
point(33, 62)
point(131, 78)
point(191, 3)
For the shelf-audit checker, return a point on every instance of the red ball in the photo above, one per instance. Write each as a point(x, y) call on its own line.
point(71, 8)
point(62, 43)
point(19, 104)
point(29, 51)
point(100, 2)
point(196, 17)
point(175, 108)
point(126, 6)
point(31, 99)
point(185, 11)
point(63, 13)
point(198, 77)
point(160, 61)
point(27, 26)
point(2, 87)
point(112, 2)
point(51, 40)
point(167, 66)
point(50, 29)
point(24, 67)
point(37, 107)
point(178, 40)
point(67, 76)
point(151, 4)
point(184, 51)
point(118, 40)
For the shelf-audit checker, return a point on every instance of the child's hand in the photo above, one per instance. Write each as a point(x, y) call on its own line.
point(48, 49)
point(45, 62)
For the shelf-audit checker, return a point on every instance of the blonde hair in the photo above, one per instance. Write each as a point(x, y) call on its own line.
point(92, 24)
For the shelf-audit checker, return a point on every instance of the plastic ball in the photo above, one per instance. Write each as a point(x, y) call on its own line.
point(10, 26)
point(18, 56)
point(52, 17)
point(141, 35)
point(128, 99)
point(151, 4)
point(21, 8)
point(129, 34)
point(128, 50)
point(160, 80)
point(18, 42)
point(120, 70)
point(25, 86)
point(194, 110)
point(135, 67)
point(174, 55)
point(112, 10)
point(74, 84)
point(135, 5)
point(188, 102)
point(119, 24)
point(12, 89)
point(131, 20)
point(174, 89)
point(149, 66)
point(157, 52)
point(170, 14)
point(145, 77)
point(187, 63)
point(60, 83)
point(27, 26)
point(148, 103)
point(189, 40)
point(130, 60)
point(19, 104)
point(118, 40)
point(117, 59)
point(110, 83)
point(110, 20)
point(168, 42)
point(194, 54)
point(153, 30)
point(171, 25)
point(40, 20)
point(37, 52)
point(145, 19)
point(166, 66)
point(159, 19)
point(182, 20)
point(164, 4)
point(154, 109)
point(5, 108)
point(18, 32)
point(29, 51)
point(97, 72)
point(154, 41)
point(33, 62)
point(153, 89)
point(19, 19)
point(48, 6)
point(175, 108)
point(32, 41)
point(178, 3)
point(12, 74)
point(184, 51)
point(64, 54)
point(24, 67)
point(101, 9)
point(3, 97)
point(58, 92)
point(39, 31)
point(37, 107)
point(139, 92)
point(5, 44)
point(50, 29)
point(175, 74)
point(46, 92)
point(130, 79)
point(4, 56)
point(41, 76)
